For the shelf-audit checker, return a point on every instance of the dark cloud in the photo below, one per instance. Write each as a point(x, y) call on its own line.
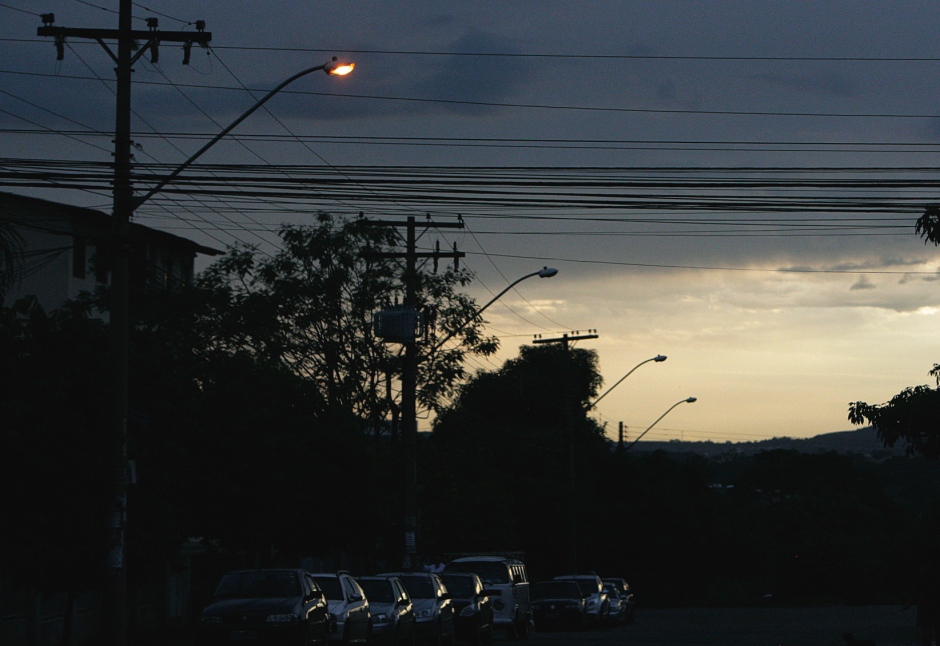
point(486, 79)
point(839, 85)
point(862, 283)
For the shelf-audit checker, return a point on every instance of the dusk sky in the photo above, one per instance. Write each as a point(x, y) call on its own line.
point(731, 184)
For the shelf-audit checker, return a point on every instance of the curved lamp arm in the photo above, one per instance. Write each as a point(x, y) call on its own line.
point(689, 400)
point(332, 66)
point(544, 272)
point(659, 358)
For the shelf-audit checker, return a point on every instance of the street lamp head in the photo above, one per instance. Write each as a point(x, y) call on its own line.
point(691, 400)
point(547, 272)
point(659, 358)
point(337, 67)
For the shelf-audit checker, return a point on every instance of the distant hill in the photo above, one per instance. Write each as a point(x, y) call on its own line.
point(863, 441)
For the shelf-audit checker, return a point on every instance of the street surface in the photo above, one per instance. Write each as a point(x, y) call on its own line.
point(886, 625)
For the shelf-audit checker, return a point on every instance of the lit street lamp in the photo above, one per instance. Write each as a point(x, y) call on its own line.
point(334, 67)
point(690, 400)
point(659, 358)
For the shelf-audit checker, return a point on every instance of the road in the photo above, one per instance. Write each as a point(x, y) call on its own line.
point(887, 625)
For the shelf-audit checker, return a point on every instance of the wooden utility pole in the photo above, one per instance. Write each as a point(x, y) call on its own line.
point(571, 513)
point(115, 614)
point(409, 368)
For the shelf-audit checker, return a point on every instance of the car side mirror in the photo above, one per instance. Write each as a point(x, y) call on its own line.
point(355, 597)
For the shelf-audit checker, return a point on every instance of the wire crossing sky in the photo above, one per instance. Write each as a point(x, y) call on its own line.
point(733, 184)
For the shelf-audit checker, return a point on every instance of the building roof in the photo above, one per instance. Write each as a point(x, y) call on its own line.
point(95, 219)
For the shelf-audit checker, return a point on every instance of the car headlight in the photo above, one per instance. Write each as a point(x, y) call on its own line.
point(468, 611)
point(423, 614)
point(210, 619)
point(592, 603)
point(380, 618)
point(281, 619)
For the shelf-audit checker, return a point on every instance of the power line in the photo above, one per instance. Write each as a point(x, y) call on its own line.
point(528, 106)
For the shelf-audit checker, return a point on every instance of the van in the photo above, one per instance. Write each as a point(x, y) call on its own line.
point(507, 582)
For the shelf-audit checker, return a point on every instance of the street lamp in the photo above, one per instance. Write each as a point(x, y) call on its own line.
point(544, 272)
point(333, 67)
point(689, 400)
point(659, 358)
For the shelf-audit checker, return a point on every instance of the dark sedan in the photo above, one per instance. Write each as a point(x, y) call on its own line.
point(559, 604)
point(269, 606)
point(473, 609)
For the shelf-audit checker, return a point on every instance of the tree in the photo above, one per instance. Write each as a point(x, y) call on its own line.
point(11, 245)
point(310, 306)
point(503, 441)
point(913, 415)
point(928, 225)
point(54, 488)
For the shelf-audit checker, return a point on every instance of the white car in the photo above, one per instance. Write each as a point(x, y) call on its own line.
point(598, 604)
point(350, 614)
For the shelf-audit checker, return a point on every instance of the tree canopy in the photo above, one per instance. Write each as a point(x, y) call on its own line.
point(309, 307)
point(913, 415)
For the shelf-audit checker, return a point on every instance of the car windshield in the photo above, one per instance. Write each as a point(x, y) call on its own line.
point(491, 573)
point(331, 587)
point(258, 584)
point(461, 587)
point(556, 590)
point(588, 586)
point(419, 587)
point(377, 591)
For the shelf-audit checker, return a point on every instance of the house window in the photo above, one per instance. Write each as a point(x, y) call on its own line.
point(79, 258)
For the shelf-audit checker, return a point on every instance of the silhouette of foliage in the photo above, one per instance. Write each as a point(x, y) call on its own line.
point(53, 481)
point(910, 416)
point(928, 225)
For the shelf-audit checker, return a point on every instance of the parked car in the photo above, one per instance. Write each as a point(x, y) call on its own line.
point(393, 613)
point(508, 581)
point(617, 606)
point(626, 595)
point(592, 587)
point(350, 615)
point(559, 604)
point(434, 610)
point(473, 608)
point(269, 606)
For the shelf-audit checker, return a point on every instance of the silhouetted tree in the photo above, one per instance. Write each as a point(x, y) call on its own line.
point(500, 472)
point(928, 225)
point(310, 307)
point(913, 416)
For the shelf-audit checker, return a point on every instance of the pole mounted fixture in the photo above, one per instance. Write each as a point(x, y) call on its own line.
point(333, 66)
point(687, 400)
point(544, 272)
point(659, 358)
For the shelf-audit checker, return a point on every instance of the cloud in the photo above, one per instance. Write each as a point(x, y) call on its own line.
point(814, 84)
point(862, 283)
point(486, 79)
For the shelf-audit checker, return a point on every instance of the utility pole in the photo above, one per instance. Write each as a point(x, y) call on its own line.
point(115, 615)
point(620, 441)
point(571, 514)
point(406, 334)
